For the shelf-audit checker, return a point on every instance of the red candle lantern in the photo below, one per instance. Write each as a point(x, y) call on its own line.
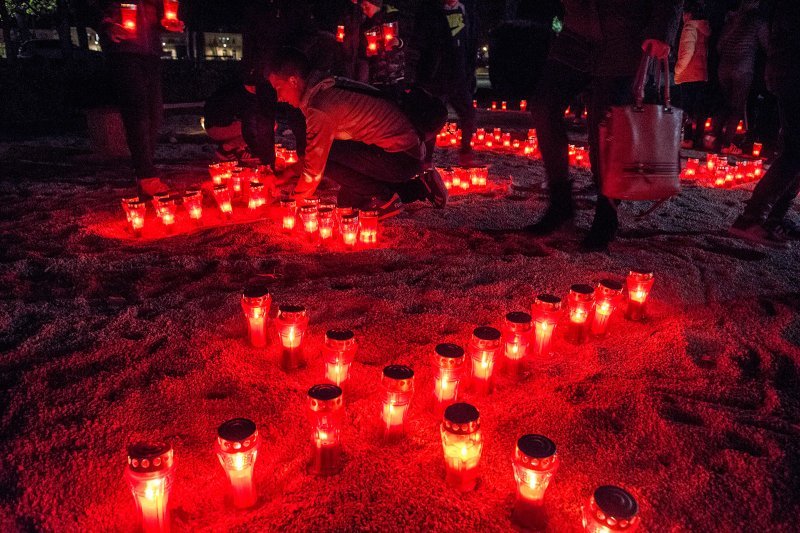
point(288, 214)
point(483, 351)
point(475, 104)
point(607, 297)
point(326, 413)
point(157, 197)
point(222, 194)
point(545, 311)
point(150, 473)
point(740, 127)
point(124, 203)
point(506, 140)
point(504, 105)
point(127, 14)
point(580, 301)
point(136, 210)
point(237, 176)
point(494, 106)
point(497, 134)
point(757, 149)
point(193, 202)
point(398, 388)
point(291, 322)
point(170, 11)
point(480, 134)
point(338, 352)
point(692, 165)
point(220, 172)
point(326, 223)
point(449, 362)
point(639, 282)
point(515, 144)
point(479, 176)
point(310, 219)
point(523, 105)
point(348, 227)
point(340, 34)
point(389, 34)
point(256, 302)
point(447, 176)
point(610, 509)
point(166, 210)
point(372, 42)
point(535, 463)
point(368, 227)
point(237, 448)
point(516, 339)
point(707, 126)
point(256, 199)
point(462, 445)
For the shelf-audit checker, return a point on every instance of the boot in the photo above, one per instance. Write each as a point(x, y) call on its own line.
point(604, 227)
point(560, 212)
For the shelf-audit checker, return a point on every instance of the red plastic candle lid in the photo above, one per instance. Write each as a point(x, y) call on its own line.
point(518, 317)
point(144, 456)
point(462, 418)
point(237, 435)
point(582, 288)
point(449, 351)
point(324, 392)
point(486, 333)
point(535, 447)
point(616, 503)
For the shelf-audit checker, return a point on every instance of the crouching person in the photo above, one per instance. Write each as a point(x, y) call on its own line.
point(357, 137)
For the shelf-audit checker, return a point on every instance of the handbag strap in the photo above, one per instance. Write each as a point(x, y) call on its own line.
point(641, 78)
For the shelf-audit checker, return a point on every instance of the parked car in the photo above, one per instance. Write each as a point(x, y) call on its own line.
point(50, 49)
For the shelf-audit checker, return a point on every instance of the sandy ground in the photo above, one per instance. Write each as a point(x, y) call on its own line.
point(106, 339)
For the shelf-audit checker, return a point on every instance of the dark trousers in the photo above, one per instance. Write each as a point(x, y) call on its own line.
point(774, 194)
point(693, 103)
point(365, 172)
point(735, 87)
point(137, 83)
point(258, 124)
point(460, 99)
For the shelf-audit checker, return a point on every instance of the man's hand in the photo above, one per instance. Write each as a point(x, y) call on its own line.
point(656, 48)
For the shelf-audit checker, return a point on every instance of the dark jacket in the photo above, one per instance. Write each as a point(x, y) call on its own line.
point(269, 26)
point(783, 50)
point(745, 31)
point(147, 38)
point(610, 32)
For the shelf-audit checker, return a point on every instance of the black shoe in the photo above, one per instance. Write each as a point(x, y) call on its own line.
point(386, 208)
point(757, 234)
point(553, 220)
point(602, 232)
point(787, 230)
point(435, 191)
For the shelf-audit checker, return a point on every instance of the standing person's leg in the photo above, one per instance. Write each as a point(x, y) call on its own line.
point(606, 92)
point(775, 192)
point(156, 102)
point(258, 124)
point(129, 77)
point(460, 99)
point(558, 86)
point(297, 123)
point(739, 90)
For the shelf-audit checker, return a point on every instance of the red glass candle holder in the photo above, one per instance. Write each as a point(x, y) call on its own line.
point(327, 222)
point(238, 175)
point(545, 311)
point(390, 33)
point(326, 414)
point(398, 388)
point(219, 172)
point(256, 302)
point(124, 203)
point(462, 445)
point(504, 105)
point(479, 176)
point(580, 301)
point(607, 297)
point(340, 34)
point(348, 227)
point(170, 11)
point(535, 463)
point(288, 214)
point(310, 219)
point(256, 198)
point(498, 134)
point(135, 212)
point(373, 40)
point(166, 211)
point(291, 322)
point(640, 283)
point(127, 13)
point(156, 200)
point(223, 197)
point(494, 106)
point(368, 228)
point(757, 149)
point(237, 448)
point(193, 203)
point(610, 509)
point(150, 474)
point(516, 339)
point(483, 349)
point(480, 134)
point(449, 364)
point(523, 105)
point(338, 353)
point(474, 104)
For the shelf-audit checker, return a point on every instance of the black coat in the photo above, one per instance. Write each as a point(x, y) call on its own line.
point(783, 50)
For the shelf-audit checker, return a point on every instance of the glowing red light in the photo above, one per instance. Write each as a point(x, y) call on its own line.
point(449, 365)
point(338, 353)
point(348, 227)
point(580, 301)
point(607, 297)
point(310, 219)
point(326, 223)
point(535, 463)
point(523, 105)
point(398, 388)
point(237, 449)
point(291, 323)
point(150, 474)
point(193, 202)
point(516, 339)
point(326, 413)
point(288, 214)
point(128, 16)
point(545, 311)
point(757, 149)
point(340, 34)
point(256, 302)
point(368, 227)
point(372, 42)
point(462, 445)
point(483, 349)
point(610, 509)
point(640, 283)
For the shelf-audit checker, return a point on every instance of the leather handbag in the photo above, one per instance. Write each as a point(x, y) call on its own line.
point(640, 145)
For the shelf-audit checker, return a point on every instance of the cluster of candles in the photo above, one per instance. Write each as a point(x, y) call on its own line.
point(377, 39)
point(715, 171)
point(464, 179)
point(321, 222)
point(151, 467)
point(523, 105)
point(128, 11)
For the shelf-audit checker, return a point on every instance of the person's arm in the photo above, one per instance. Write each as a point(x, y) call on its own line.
point(686, 49)
point(659, 34)
point(320, 133)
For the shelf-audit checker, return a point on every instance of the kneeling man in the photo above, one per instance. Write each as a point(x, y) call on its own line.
point(356, 137)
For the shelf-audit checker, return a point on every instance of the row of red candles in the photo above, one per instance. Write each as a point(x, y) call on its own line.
point(150, 470)
point(523, 105)
point(715, 171)
point(128, 11)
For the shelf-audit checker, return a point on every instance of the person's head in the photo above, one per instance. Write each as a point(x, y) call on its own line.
point(449, 3)
point(694, 10)
point(371, 7)
point(289, 75)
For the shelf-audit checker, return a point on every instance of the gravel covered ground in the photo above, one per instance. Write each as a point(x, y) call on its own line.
point(106, 339)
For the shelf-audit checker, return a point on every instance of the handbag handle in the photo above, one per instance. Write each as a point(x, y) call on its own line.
point(641, 77)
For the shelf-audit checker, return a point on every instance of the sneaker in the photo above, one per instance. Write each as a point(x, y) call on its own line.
point(732, 149)
point(553, 220)
point(435, 191)
point(757, 234)
point(386, 208)
point(148, 187)
point(603, 230)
